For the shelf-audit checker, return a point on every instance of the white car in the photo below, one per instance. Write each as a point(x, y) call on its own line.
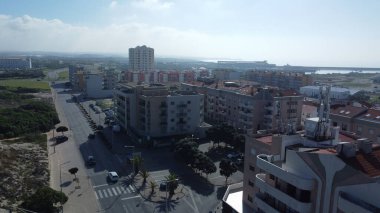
point(113, 176)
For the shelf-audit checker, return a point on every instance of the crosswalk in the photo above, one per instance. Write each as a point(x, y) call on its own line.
point(113, 191)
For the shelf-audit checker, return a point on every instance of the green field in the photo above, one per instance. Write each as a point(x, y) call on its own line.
point(25, 83)
point(63, 75)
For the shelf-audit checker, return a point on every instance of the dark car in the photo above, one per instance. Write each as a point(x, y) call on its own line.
point(163, 186)
point(61, 139)
point(90, 160)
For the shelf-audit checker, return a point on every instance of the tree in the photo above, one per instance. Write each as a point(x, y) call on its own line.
point(221, 133)
point(208, 167)
point(172, 182)
point(73, 171)
point(44, 200)
point(186, 149)
point(227, 168)
point(152, 185)
point(137, 161)
point(144, 174)
point(62, 129)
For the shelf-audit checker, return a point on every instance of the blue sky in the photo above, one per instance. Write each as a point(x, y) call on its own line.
point(296, 32)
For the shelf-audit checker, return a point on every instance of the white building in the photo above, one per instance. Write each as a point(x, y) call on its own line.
point(336, 93)
point(94, 86)
point(141, 59)
point(153, 111)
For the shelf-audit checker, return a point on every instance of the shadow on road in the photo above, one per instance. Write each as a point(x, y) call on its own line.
point(66, 184)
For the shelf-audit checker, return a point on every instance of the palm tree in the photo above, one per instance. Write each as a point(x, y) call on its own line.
point(152, 185)
point(144, 174)
point(137, 161)
point(172, 182)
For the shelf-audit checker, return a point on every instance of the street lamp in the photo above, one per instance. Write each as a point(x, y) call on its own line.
point(60, 173)
point(166, 191)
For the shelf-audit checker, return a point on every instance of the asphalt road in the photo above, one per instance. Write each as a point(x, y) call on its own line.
point(122, 196)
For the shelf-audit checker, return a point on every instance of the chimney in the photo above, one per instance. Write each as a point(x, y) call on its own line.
point(335, 134)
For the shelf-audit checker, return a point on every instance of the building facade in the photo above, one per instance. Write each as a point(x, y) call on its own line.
point(153, 111)
point(336, 93)
point(248, 107)
point(141, 59)
point(362, 121)
point(284, 80)
point(15, 63)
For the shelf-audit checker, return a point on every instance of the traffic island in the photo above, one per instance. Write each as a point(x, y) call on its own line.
point(144, 188)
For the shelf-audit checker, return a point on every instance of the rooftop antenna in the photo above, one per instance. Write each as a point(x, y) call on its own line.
point(322, 131)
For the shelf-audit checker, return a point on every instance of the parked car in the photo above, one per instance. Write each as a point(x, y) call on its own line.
point(113, 176)
point(61, 139)
point(90, 160)
point(233, 155)
point(163, 186)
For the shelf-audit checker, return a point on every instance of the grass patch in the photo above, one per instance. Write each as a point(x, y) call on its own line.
point(63, 75)
point(352, 84)
point(104, 104)
point(35, 138)
point(14, 84)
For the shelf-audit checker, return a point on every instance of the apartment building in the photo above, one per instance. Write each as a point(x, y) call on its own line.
point(15, 63)
point(141, 59)
point(336, 94)
point(317, 170)
point(94, 86)
point(152, 111)
point(226, 74)
point(359, 120)
point(284, 80)
point(160, 76)
point(246, 106)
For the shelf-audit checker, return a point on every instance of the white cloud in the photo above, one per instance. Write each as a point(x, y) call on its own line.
point(152, 4)
point(113, 4)
point(28, 33)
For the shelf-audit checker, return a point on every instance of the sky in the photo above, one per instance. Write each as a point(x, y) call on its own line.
point(295, 32)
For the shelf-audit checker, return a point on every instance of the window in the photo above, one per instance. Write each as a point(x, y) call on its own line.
point(344, 127)
point(252, 168)
point(250, 199)
point(250, 183)
point(172, 103)
point(172, 120)
point(188, 102)
point(271, 176)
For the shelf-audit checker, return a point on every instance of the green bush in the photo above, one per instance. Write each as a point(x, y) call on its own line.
point(29, 118)
point(44, 200)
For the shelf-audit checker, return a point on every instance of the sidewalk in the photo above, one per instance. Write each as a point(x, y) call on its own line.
point(63, 157)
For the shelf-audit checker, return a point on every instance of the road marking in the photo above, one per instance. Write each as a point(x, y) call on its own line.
point(109, 192)
point(167, 171)
point(99, 186)
point(96, 196)
point(118, 190)
point(216, 177)
point(127, 190)
point(105, 193)
point(114, 191)
point(100, 194)
point(130, 186)
point(128, 198)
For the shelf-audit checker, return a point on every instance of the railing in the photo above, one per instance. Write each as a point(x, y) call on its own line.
point(281, 196)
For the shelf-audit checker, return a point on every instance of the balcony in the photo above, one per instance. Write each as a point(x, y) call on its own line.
point(181, 106)
point(348, 203)
point(281, 196)
point(263, 205)
point(264, 162)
